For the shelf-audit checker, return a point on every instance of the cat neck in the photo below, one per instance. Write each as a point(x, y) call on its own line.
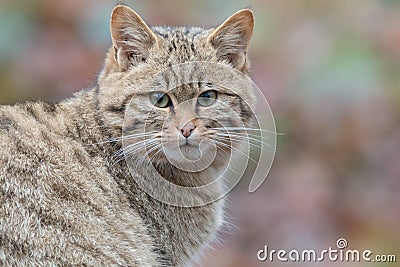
point(85, 123)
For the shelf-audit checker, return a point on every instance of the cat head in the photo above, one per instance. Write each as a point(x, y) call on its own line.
point(182, 106)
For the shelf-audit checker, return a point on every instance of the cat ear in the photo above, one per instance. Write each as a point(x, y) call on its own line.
point(232, 38)
point(131, 37)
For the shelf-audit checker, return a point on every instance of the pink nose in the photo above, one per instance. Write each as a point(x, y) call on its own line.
point(187, 129)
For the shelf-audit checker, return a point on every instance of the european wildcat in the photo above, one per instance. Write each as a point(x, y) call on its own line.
point(65, 202)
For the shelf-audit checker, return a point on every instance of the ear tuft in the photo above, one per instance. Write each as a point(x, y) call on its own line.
point(131, 37)
point(232, 38)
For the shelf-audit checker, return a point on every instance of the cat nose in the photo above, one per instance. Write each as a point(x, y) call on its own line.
point(187, 129)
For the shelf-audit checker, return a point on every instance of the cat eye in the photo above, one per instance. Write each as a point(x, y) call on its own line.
point(207, 98)
point(160, 100)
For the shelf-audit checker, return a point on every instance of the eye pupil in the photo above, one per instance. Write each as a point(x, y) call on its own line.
point(207, 98)
point(160, 100)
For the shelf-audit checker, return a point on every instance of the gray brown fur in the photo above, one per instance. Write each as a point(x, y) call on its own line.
point(62, 202)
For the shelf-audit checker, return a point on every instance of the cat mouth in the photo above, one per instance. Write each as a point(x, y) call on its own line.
point(187, 144)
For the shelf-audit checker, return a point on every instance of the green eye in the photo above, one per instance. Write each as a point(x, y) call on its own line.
point(160, 100)
point(207, 98)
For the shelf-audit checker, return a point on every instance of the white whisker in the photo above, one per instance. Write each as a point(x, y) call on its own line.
point(245, 129)
point(127, 137)
point(231, 147)
point(132, 149)
point(148, 152)
point(253, 141)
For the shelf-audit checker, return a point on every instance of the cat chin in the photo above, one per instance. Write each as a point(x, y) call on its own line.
point(190, 157)
point(186, 152)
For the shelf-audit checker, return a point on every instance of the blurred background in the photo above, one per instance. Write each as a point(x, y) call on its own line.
point(331, 73)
